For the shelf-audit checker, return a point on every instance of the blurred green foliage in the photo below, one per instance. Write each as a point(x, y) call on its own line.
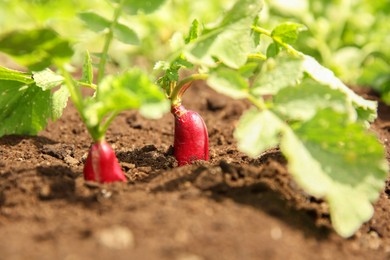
point(155, 30)
point(351, 37)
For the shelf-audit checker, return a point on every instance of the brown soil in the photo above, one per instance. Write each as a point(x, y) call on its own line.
point(232, 207)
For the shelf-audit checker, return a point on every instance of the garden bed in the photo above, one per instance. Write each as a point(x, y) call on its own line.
point(232, 207)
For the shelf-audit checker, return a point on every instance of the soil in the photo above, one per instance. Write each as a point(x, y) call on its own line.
point(232, 207)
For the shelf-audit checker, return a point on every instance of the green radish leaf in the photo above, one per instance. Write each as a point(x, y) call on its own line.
point(28, 118)
point(37, 49)
point(133, 7)
point(47, 79)
point(256, 35)
point(355, 176)
point(258, 131)
point(171, 72)
point(249, 69)
point(231, 41)
point(277, 74)
point(125, 34)
point(94, 21)
point(130, 90)
point(98, 23)
point(59, 101)
point(303, 101)
point(353, 179)
point(273, 50)
point(288, 32)
point(14, 75)
point(193, 33)
point(366, 108)
point(228, 82)
point(87, 73)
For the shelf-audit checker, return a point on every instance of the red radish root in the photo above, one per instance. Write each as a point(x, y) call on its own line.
point(102, 165)
point(191, 138)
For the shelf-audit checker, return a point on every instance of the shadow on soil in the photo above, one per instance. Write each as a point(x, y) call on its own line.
point(13, 140)
point(258, 185)
point(62, 183)
point(148, 156)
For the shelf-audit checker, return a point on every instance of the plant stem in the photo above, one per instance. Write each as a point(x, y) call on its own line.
point(106, 47)
point(77, 99)
point(288, 47)
point(75, 93)
point(182, 86)
point(257, 56)
point(258, 102)
point(103, 128)
point(86, 85)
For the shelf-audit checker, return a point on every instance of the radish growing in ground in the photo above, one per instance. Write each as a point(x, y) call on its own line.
point(130, 90)
point(191, 141)
point(102, 164)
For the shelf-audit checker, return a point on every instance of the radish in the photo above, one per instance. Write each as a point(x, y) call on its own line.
point(191, 142)
point(102, 164)
point(131, 89)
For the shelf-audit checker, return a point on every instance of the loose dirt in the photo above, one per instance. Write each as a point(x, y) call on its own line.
point(232, 207)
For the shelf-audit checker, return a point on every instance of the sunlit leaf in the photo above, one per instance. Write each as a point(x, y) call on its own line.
point(14, 75)
point(288, 32)
point(258, 131)
point(231, 41)
point(303, 101)
point(94, 21)
point(125, 34)
point(47, 79)
point(130, 90)
point(326, 77)
point(343, 164)
point(277, 74)
point(229, 82)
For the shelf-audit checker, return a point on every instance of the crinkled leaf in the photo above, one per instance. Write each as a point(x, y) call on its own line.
point(287, 32)
point(47, 79)
point(125, 34)
point(342, 163)
point(303, 101)
point(59, 101)
point(130, 90)
point(94, 21)
point(171, 72)
point(14, 75)
point(326, 77)
point(231, 41)
point(229, 82)
point(257, 131)
point(24, 109)
point(37, 49)
point(277, 74)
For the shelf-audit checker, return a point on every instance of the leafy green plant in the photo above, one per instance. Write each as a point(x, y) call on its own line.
point(28, 100)
point(349, 37)
point(320, 125)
